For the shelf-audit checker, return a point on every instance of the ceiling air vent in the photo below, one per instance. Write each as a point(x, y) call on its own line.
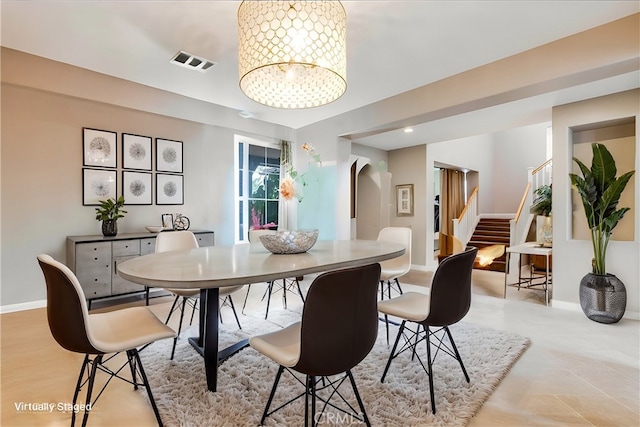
point(192, 62)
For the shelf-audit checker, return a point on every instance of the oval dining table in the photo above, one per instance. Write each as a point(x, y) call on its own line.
point(210, 268)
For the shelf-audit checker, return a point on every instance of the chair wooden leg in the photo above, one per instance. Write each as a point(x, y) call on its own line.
point(455, 349)
point(393, 351)
point(355, 391)
point(430, 373)
point(273, 392)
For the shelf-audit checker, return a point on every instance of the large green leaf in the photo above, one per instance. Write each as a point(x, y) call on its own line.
point(603, 167)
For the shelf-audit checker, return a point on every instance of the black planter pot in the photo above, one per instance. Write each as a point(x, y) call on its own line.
point(603, 298)
point(110, 228)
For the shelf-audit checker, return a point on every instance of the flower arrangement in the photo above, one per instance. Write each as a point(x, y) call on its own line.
point(287, 185)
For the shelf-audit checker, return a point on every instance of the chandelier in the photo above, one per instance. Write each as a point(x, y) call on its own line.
point(292, 54)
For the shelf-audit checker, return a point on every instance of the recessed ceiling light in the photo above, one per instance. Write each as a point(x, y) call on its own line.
point(408, 130)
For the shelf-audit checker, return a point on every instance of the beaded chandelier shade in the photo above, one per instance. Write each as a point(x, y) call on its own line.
point(292, 54)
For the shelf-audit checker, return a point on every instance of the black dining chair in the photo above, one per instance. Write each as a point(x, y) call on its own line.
point(447, 302)
point(338, 329)
point(98, 335)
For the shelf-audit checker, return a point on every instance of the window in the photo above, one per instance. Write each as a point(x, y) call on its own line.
point(257, 185)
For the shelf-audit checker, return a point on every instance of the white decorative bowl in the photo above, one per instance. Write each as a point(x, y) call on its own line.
point(290, 241)
point(154, 228)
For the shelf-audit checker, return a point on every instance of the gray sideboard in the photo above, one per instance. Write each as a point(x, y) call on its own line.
point(94, 259)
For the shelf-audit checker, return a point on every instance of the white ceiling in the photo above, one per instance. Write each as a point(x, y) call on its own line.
point(392, 47)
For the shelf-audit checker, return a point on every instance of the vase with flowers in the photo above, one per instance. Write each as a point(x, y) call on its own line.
point(293, 183)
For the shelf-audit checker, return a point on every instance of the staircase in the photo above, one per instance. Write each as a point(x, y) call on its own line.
point(488, 232)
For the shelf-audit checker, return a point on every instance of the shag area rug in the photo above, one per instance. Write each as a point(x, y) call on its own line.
point(245, 380)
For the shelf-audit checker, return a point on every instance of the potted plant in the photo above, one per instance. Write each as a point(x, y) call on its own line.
point(603, 296)
point(109, 212)
point(541, 207)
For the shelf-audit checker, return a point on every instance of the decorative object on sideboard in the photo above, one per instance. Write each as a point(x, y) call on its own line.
point(541, 207)
point(289, 241)
point(603, 298)
point(167, 221)
point(109, 211)
point(181, 222)
point(154, 228)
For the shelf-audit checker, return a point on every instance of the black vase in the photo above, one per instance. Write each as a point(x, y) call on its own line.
point(110, 227)
point(603, 298)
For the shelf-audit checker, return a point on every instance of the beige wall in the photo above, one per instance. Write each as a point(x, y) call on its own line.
point(41, 163)
point(572, 256)
point(409, 166)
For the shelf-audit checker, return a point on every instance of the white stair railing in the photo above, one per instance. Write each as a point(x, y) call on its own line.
point(466, 222)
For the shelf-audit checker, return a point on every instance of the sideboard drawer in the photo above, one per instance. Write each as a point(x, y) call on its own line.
point(147, 246)
point(204, 239)
point(94, 268)
point(126, 247)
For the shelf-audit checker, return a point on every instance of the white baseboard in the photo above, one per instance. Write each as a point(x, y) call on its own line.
point(574, 306)
point(43, 303)
point(23, 306)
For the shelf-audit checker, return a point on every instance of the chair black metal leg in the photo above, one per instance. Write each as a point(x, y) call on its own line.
point(273, 392)
point(269, 289)
point(386, 322)
point(194, 303)
point(430, 373)
point(312, 383)
point(455, 349)
point(245, 298)
point(143, 375)
point(173, 307)
point(146, 295)
point(234, 311)
point(92, 378)
point(85, 365)
point(132, 365)
point(299, 290)
point(399, 287)
point(175, 340)
point(392, 355)
point(355, 391)
point(284, 293)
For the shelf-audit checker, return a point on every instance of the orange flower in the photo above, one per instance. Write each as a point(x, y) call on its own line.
point(287, 190)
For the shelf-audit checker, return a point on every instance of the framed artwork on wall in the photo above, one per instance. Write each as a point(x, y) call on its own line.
point(168, 155)
point(98, 185)
point(169, 189)
point(136, 188)
point(404, 200)
point(99, 148)
point(136, 152)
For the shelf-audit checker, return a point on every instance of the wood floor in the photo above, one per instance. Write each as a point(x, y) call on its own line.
point(576, 372)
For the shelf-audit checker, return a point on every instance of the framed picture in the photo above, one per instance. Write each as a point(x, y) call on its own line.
point(99, 148)
point(136, 152)
point(169, 189)
point(98, 185)
point(167, 221)
point(404, 200)
point(136, 188)
point(168, 155)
